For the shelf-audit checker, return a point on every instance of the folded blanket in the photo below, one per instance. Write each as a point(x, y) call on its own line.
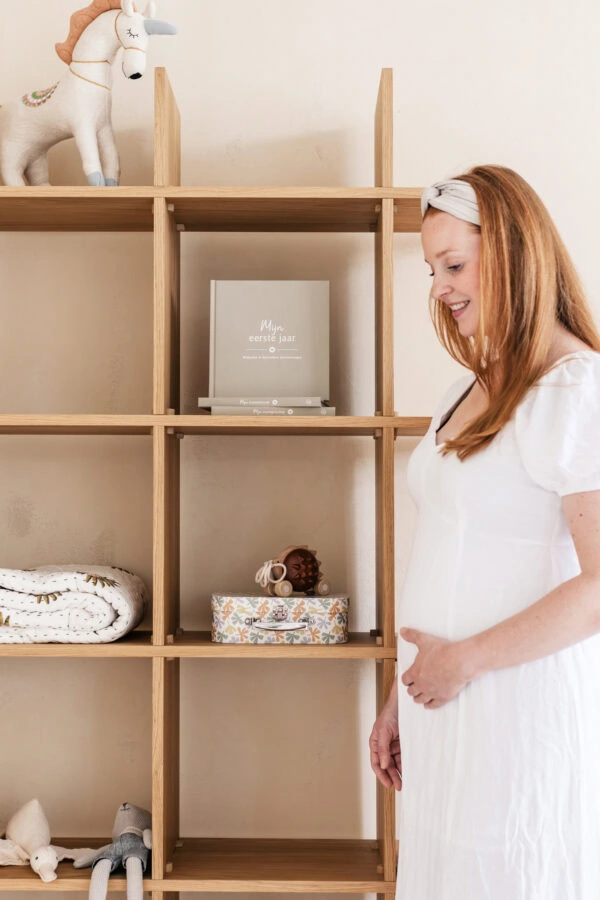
point(69, 604)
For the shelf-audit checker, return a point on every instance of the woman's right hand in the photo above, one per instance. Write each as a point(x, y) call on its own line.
point(384, 744)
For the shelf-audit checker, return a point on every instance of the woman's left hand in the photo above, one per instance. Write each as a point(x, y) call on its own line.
point(439, 671)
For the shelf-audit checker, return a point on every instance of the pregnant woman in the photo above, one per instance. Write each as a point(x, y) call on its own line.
point(492, 728)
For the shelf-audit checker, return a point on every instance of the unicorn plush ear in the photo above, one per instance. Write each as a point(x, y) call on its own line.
point(150, 10)
point(128, 7)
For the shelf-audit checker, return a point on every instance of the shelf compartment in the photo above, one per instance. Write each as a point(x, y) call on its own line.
point(276, 209)
point(191, 644)
point(76, 209)
point(135, 645)
point(276, 865)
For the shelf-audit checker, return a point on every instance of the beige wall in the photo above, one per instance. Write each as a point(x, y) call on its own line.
point(270, 93)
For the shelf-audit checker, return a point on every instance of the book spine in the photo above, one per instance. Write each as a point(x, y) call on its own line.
point(213, 332)
point(273, 411)
point(262, 401)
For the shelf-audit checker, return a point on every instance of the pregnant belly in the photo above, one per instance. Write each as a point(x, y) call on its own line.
point(459, 582)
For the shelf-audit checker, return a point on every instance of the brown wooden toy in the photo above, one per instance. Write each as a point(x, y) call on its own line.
point(295, 569)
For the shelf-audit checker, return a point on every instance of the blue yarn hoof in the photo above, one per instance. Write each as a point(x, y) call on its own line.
point(96, 179)
point(110, 182)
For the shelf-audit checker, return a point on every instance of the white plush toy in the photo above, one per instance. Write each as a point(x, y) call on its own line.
point(28, 841)
point(79, 105)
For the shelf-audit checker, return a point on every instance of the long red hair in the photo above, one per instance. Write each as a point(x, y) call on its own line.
point(527, 283)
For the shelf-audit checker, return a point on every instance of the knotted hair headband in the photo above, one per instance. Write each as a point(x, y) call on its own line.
point(455, 197)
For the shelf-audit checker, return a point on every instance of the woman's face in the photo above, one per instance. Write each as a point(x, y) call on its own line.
point(451, 247)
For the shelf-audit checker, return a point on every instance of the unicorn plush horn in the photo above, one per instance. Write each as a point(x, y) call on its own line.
point(79, 105)
point(155, 26)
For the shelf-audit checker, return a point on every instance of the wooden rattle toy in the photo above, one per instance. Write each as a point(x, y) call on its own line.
point(295, 569)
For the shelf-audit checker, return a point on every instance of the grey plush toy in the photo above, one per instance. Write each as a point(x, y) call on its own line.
point(132, 841)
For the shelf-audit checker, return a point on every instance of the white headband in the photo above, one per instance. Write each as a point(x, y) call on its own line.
point(455, 197)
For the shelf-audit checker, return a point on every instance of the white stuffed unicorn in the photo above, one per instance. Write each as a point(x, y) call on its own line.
point(79, 105)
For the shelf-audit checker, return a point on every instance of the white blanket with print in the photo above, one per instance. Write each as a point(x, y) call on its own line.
point(69, 604)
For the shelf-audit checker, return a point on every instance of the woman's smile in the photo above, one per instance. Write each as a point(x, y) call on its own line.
point(458, 308)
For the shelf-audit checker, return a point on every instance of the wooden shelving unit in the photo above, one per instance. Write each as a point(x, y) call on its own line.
point(167, 209)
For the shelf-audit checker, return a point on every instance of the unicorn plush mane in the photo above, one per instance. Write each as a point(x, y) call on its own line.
point(79, 22)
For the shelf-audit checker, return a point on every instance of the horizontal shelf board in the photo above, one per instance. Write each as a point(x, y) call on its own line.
point(348, 209)
point(77, 424)
point(276, 209)
point(136, 645)
point(77, 209)
point(302, 425)
point(404, 426)
point(65, 882)
point(411, 426)
point(23, 878)
point(407, 209)
point(198, 644)
point(316, 866)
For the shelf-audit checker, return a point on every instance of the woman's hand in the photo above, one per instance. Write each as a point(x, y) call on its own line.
point(440, 669)
point(384, 744)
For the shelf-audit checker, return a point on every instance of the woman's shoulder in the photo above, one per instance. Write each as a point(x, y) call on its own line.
point(557, 425)
point(569, 388)
point(579, 367)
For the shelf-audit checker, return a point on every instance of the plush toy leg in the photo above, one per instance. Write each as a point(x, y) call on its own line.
point(135, 889)
point(37, 172)
point(109, 156)
point(99, 882)
point(87, 144)
point(12, 174)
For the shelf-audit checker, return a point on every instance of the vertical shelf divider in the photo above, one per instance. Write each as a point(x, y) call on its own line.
point(164, 895)
point(167, 249)
point(166, 490)
point(384, 121)
point(166, 466)
point(384, 454)
point(167, 256)
point(165, 763)
point(167, 132)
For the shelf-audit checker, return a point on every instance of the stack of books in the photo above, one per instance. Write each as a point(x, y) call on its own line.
point(266, 406)
point(269, 349)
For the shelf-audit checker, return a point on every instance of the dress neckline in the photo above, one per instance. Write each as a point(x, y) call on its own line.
point(453, 408)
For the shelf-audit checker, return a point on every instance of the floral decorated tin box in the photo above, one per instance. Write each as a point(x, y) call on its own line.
point(299, 619)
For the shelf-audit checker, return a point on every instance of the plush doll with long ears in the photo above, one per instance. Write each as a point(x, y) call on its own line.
point(132, 841)
point(79, 105)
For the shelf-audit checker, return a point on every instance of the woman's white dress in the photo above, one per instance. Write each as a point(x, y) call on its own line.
point(501, 786)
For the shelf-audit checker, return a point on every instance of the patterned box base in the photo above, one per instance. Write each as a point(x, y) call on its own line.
point(259, 619)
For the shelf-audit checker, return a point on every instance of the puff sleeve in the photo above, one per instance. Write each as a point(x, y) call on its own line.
point(557, 427)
